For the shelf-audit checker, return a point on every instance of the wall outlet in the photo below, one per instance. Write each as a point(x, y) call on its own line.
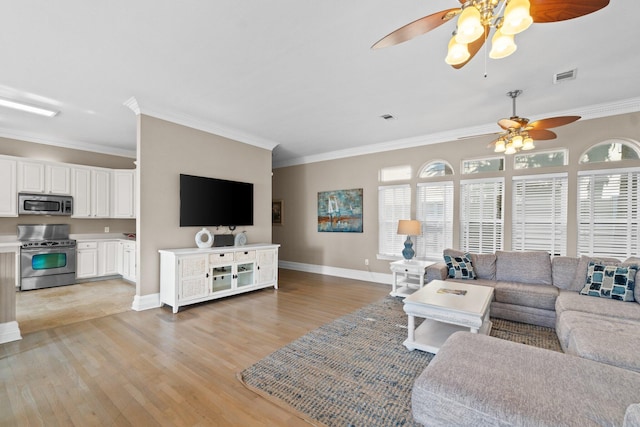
point(366, 261)
point(106, 229)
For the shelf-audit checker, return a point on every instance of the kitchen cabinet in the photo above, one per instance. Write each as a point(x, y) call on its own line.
point(86, 260)
point(57, 179)
point(123, 201)
point(108, 257)
point(189, 276)
point(127, 260)
point(8, 188)
point(31, 177)
point(91, 197)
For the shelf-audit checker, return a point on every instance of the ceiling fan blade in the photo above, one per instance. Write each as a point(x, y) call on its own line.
point(542, 134)
point(416, 28)
point(507, 124)
point(552, 122)
point(561, 10)
point(474, 47)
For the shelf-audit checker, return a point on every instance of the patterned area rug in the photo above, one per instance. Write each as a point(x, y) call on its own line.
point(355, 372)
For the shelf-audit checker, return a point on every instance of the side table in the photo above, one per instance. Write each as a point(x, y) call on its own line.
point(408, 276)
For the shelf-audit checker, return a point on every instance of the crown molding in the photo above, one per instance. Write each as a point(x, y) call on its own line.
point(595, 111)
point(148, 109)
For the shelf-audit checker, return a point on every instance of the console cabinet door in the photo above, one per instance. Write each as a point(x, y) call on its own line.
point(193, 277)
point(267, 265)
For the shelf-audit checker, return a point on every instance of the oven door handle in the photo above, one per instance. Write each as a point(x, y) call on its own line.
point(45, 249)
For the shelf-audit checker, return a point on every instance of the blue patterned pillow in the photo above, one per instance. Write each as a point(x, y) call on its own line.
point(610, 281)
point(460, 267)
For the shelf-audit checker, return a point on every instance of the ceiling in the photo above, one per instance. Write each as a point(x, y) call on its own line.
point(297, 75)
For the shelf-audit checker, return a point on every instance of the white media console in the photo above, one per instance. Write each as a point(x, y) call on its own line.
point(192, 275)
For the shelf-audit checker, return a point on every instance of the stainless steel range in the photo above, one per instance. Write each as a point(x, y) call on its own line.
point(47, 256)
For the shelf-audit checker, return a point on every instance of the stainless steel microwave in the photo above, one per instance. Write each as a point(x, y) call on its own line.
point(44, 204)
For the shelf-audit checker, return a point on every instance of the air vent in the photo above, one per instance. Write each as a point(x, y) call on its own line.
point(388, 117)
point(566, 75)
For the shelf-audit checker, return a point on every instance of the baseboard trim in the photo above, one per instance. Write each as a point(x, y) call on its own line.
point(9, 331)
point(145, 302)
point(367, 276)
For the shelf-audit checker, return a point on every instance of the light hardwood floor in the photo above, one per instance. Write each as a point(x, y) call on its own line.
point(156, 368)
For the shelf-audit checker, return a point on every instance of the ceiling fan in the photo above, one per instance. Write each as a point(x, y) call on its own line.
point(477, 17)
point(519, 134)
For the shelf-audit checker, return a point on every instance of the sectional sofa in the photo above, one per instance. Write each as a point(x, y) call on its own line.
point(481, 380)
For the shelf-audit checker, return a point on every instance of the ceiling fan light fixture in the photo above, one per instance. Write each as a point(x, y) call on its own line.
point(502, 45)
point(516, 17)
point(510, 149)
point(500, 146)
point(528, 144)
point(517, 141)
point(457, 53)
point(469, 25)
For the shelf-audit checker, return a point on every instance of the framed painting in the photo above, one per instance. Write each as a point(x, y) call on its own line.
point(340, 211)
point(277, 212)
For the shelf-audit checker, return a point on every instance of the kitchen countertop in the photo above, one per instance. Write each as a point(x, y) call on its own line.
point(9, 240)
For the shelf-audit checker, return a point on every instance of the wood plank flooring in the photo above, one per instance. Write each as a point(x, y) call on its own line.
point(156, 368)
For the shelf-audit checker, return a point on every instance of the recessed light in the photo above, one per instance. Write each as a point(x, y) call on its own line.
point(28, 108)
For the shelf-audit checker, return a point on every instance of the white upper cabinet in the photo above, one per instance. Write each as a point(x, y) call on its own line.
point(123, 201)
point(81, 192)
point(100, 193)
point(30, 177)
point(8, 188)
point(57, 179)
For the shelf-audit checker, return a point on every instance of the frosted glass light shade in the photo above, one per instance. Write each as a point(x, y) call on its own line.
point(528, 144)
point(510, 149)
point(517, 141)
point(502, 45)
point(500, 147)
point(469, 25)
point(516, 17)
point(457, 53)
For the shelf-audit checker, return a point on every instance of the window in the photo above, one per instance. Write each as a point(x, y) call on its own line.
point(540, 159)
point(495, 164)
point(435, 168)
point(395, 173)
point(613, 150)
point(608, 219)
point(540, 213)
point(394, 203)
point(435, 210)
point(481, 222)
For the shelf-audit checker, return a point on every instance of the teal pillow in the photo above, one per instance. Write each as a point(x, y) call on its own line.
point(610, 281)
point(460, 267)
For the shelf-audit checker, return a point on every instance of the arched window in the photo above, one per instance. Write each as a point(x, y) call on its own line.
point(612, 150)
point(435, 168)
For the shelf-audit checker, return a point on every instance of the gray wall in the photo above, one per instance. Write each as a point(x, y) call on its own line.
point(165, 150)
point(298, 187)
point(34, 151)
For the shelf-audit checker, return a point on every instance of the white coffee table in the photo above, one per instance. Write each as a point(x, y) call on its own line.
point(445, 313)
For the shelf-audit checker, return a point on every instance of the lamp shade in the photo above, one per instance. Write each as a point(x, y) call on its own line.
point(409, 227)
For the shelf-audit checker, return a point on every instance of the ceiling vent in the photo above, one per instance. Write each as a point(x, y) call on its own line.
point(565, 75)
point(388, 117)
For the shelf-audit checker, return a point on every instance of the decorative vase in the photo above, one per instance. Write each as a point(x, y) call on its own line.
point(408, 251)
point(204, 238)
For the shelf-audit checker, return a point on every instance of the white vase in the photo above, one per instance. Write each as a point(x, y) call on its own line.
point(204, 238)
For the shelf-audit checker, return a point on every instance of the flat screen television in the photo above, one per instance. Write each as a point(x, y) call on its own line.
point(214, 202)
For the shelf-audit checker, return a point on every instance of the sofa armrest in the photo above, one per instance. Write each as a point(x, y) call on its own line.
point(632, 416)
point(437, 271)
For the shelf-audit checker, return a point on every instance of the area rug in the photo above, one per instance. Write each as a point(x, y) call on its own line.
point(355, 372)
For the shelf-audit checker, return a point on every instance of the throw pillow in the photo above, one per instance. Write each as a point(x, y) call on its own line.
point(610, 281)
point(460, 267)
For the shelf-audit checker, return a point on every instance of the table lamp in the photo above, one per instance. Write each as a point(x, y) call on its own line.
point(410, 227)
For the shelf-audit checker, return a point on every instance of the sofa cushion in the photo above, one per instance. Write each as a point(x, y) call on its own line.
point(460, 267)
point(631, 261)
point(613, 348)
point(484, 265)
point(583, 266)
point(568, 321)
point(531, 267)
point(478, 380)
point(610, 281)
point(563, 271)
point(573, 301)
point(523, 314)
point(537, 296)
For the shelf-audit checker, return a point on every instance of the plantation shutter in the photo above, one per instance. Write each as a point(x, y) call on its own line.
point(481, 222)
point(540, 213)
point(394, 203)
point(608, 213)
point(435, 211)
